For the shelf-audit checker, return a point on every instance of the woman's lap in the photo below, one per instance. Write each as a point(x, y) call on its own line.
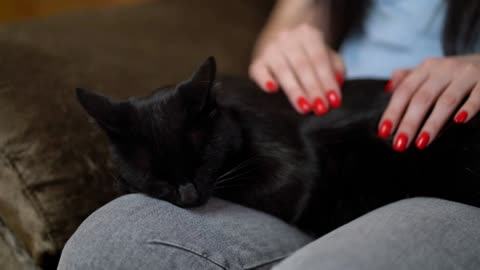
point(419, 233)
point(137, 232)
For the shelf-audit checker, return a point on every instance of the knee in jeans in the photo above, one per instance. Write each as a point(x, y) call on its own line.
point(419, 210)
point(133, 232)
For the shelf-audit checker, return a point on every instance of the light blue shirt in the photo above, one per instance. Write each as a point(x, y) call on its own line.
point(395, 34)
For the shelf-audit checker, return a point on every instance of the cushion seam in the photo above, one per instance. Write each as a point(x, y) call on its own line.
point(157, 242)
point(35, 203)
point(266, 262)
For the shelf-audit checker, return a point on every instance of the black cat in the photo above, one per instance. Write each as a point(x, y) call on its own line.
point(226, 138)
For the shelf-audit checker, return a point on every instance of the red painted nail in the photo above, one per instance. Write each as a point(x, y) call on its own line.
point(303, 105)
point(461, 117)
point(400, 143)
point(319, 107)
point(339, 78)
point(385, 128)
point(271, 86)
point(423, 140)
point(389, 86)
point(333, 99)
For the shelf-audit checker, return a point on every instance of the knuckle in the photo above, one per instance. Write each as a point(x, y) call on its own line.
point(305, 28)
point(407, 126)
point(422, 98)
point(320, 65)
point(283, 35)
point(280, 68)
point(317, 34)
point(449, 63)
point(319, 59)
point(299, 62)
point(254, 68)
point(393, 112)
point(398, 73)
point(269, 50)
point(433, 125)
point(430, 62)
point(474, 104)
point(448, 100)
point(320, 35)
point(292, 90)
point(470, 68)
point(311, 86)
point(404, 91)
point(308, 81)
point(323, 71)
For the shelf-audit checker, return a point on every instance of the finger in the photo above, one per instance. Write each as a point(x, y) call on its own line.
point(444, 108)
point(283, 73)
point(260, 73)
point(417, 110)
point(303, 68)
point(319, 54)
point(338, 66)
point(470, 108)
point(397, 77)
point(399, 102)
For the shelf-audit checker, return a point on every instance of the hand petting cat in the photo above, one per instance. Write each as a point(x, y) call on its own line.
point(310, 73)
point(308, 70)
point(449, 87)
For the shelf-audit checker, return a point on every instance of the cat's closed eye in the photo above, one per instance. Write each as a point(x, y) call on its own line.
point(197, 139)
point(140, 157)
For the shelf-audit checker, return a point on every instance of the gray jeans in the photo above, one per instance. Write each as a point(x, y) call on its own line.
point(137, 232)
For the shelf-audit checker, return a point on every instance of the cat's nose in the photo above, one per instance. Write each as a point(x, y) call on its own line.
point(188, 195)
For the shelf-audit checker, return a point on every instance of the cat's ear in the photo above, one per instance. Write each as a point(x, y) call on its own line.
point(197, 91)
point(205, 74)
point(109, 114)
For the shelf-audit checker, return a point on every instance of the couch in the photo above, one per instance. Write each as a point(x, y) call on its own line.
point(54, 166)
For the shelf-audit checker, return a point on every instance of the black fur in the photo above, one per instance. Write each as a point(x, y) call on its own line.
point(226, 138)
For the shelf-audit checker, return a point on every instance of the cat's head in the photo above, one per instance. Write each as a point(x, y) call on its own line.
point(157, 141)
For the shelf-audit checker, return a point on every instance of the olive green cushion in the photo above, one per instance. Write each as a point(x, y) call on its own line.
point(54, 169)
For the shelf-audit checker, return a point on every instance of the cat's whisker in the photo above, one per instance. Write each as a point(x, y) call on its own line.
point(225, 180)
point(234, 178)
point(228, 186)
point(215, 139)
point(473, 172)
point(230, 179)
point(234, 169)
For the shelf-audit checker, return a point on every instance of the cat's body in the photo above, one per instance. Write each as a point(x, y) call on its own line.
point(231, 140)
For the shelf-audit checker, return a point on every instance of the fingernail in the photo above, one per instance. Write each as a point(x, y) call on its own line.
point(339, 78)
point(319, 107)
point(400, 143)
point(423, 140)
point(303, 105)
point(389, 86)
point(271, 86)
point(461, 117)
point(333, 99)
point(385, 128)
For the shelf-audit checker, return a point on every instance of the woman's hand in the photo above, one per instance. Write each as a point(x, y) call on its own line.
point(302, 64)
point(438, 84)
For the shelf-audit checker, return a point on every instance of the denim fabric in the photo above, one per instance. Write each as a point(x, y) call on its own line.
point(420, 233)
point(137, 232)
